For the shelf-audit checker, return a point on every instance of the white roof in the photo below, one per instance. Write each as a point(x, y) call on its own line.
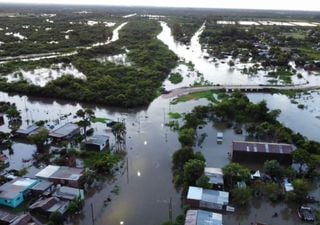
point(25, 182)
point(195, 193)
point(213, 170)
point(48, 171)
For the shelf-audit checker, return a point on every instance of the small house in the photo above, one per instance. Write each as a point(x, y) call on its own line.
point(30, 130)
point(215, 176)
point(68, 193)
point(12, 193)
point(259, 152)
point(44, 207)
point(201, 217)
point(97, 143)
point(68, 176)
point(207, 199)
point(65, 132)
point(42, 188)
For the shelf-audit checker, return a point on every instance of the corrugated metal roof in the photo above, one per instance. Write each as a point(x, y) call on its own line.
point(194, 193)
point(262, 147)
point(201, 217)
point(206, 195)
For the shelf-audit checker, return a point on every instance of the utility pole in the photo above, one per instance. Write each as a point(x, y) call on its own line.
point(92, 216)
point(170, 209)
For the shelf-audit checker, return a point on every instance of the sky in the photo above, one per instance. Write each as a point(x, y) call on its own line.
point(310, 5)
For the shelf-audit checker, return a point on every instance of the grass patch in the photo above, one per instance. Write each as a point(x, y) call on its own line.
point(310, 53)
point(198, 95)
point(174, 115)
point(295, 35)
point(100, 120)
point(282, 74)
point(175, 78)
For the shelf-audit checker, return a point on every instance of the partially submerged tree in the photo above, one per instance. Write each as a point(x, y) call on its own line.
point(86, 116)
point(119, 131)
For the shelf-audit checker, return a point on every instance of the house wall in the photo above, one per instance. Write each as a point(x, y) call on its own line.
point(13, 203)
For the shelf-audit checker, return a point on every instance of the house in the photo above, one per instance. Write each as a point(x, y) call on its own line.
point(201, 217)
point(259, 152)
point(25, 219)
point(215, 176)
point(47, 206)
point(205, 198)
point(68, 176)
point(12, 193)
point(68, 193)
point(42, 188)
point(30, 130)
point(65, 132)
point(97, 143)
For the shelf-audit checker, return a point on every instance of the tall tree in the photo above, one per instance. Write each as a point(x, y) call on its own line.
point(86, 117)
point(119, 131)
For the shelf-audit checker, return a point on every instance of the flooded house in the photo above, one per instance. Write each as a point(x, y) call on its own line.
point(259, 152)
point(44, 207)
point(12, 193)
point(68, 193)
point(68, 176)
point(207, 199)
point(43, 188)
point(201, 217)
point(65, 132)
point(215, 176)
point(97, 143)
point(28, 131)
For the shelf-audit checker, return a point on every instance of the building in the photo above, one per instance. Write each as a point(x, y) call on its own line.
point(63, 175)
point(215, 176)
point(97, 143)
point(201, 217)
point(46, 206)
point(25, 219)
point(68, 193)
point(30, 130)
point(259, 152)
point(42, 188)
point(65, 132)
point(7, 218)
point(208, 199)
point(12, 193)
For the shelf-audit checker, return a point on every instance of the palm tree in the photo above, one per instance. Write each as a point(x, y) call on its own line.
point(119, 131)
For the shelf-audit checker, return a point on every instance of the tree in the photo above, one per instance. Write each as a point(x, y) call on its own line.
point(181, 156)
point(241, 196)
point(40, 138)
point(86, 115)
point(301, 156)
point(186, 136)
point(203, 182)
point(193, 169)
point(234, 172)
point(56, 218)
point(300, 189)
point(119, 131)
point(274, 169)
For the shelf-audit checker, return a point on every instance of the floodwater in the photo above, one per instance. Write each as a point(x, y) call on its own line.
point(205, 71)
point(145, 180)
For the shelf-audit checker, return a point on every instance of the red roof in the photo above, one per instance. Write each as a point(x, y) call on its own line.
point(262, 147)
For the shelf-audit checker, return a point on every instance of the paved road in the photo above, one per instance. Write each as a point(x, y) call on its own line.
point(187, 90)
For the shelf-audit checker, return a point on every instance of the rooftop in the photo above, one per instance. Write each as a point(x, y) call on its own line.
point(64, 130)
point(42, 186)
point(206, 195)
point(28, 130)
point(215, 175)
point(60, 172)
point(262, 147)
point(201, 217)
point(97, 140)
point(13, 188)
point(69, 193)
point(51, 204)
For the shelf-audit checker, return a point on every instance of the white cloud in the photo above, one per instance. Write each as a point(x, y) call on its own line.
point(242, 4)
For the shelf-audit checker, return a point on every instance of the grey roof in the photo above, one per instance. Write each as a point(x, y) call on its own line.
point(28, 130)
point(60, 172)
point(51, 204)
point(210, 196)
point(97, 140)
point(68, 193)
point(42, 186)
point(7, 217)
point(262, 147)
point(201, 217)
point(64, 130)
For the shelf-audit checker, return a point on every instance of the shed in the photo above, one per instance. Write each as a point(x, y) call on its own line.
point(209, 199)
point(65, 132)
point(201, 217)
point(97, 143)
point(243, 151)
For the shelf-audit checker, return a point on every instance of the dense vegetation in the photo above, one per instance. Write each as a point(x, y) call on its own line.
point(108, 83)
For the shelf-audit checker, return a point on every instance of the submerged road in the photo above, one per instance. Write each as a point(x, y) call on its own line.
point(248, 88)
